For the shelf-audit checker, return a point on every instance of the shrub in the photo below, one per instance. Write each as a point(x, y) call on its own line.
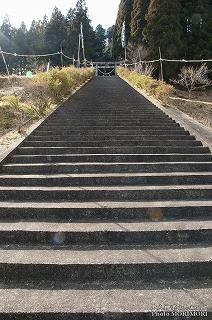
point(163, 91)
point(61, 82)
point(15, 110)
point(37, 93)
point(193, 78)
point(19, 81)
point(150, 85)
point(40, 95)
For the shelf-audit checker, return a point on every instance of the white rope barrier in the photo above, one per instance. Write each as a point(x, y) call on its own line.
point(188, 61)
point(91, 63)
point(169, 60)
point(73, 59)
point(30, 55)
point(144, 61)
point(106, 73)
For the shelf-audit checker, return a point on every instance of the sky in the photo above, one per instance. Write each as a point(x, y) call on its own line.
point(100, 11)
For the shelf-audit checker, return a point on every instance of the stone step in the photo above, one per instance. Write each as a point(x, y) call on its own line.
point(92, 110)
point(62, 168)
point(150, 131)
point(106, 179)
point(101, 301)
point(61, 136)
point(105, 112)
point(76, 123)
point(108, 115)
point(70, 116)
point(106, 233)
point(106, 211)
point(76, 128)
point(113, 150)
point(42, 141)
point(69, 158)
point(127, 122)
point(128, 264)
point(111, 193)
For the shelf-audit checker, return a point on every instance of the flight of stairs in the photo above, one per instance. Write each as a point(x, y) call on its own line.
point(106, 213)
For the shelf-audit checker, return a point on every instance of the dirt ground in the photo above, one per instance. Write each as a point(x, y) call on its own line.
point(197, 110)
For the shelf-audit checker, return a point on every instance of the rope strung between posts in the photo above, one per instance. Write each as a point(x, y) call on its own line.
point(8, 72)
point(91, 63)
point(67, 57)
point(88, 63)
point(106, 73)
point(169, 60)
point(30, 55)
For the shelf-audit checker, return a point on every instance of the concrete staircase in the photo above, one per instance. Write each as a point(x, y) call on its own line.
point(106, 213)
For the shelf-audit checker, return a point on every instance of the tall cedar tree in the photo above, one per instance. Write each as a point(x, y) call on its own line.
point(197, 28)
point(100, 42)
point(163, 28)
point(138, 20)
point(109, 43)
point(55, 34)
point(164, 31)
point(22, 45)
point(7, 34)
point(124, 14)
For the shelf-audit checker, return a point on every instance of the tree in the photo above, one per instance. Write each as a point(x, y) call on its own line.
point(164, 31)
point(109, 43)
point(22, 46)
point(7, 33)
point(74, 19)
point(163, 28)
point(21, 39)
point(100, 42)
point(124, 15)
point(193, 78)
point(37, 37)
point(138, 20)
point(196, 20)
point(55, 34)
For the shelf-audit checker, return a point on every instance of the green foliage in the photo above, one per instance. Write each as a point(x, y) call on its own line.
point(124, 15)
point(164, 31)
point(55, 33)
point(163, 28)
point(138, 21)
point(181, 28)
point(100, 42)
point(109, 45)
point(196, 20)
point(150, 85)
point(48, 36)
point(74, 19)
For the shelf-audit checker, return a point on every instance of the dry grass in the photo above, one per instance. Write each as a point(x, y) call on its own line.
point(156, 88)
point(16, 81)
point(34, 98)
point(199, 111)
point(162, 91)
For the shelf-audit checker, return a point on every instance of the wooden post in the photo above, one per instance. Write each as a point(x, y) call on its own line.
point(125, 56)
point(78, 61)
point(61, 56)
point(8, 73)
point(161, 65)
